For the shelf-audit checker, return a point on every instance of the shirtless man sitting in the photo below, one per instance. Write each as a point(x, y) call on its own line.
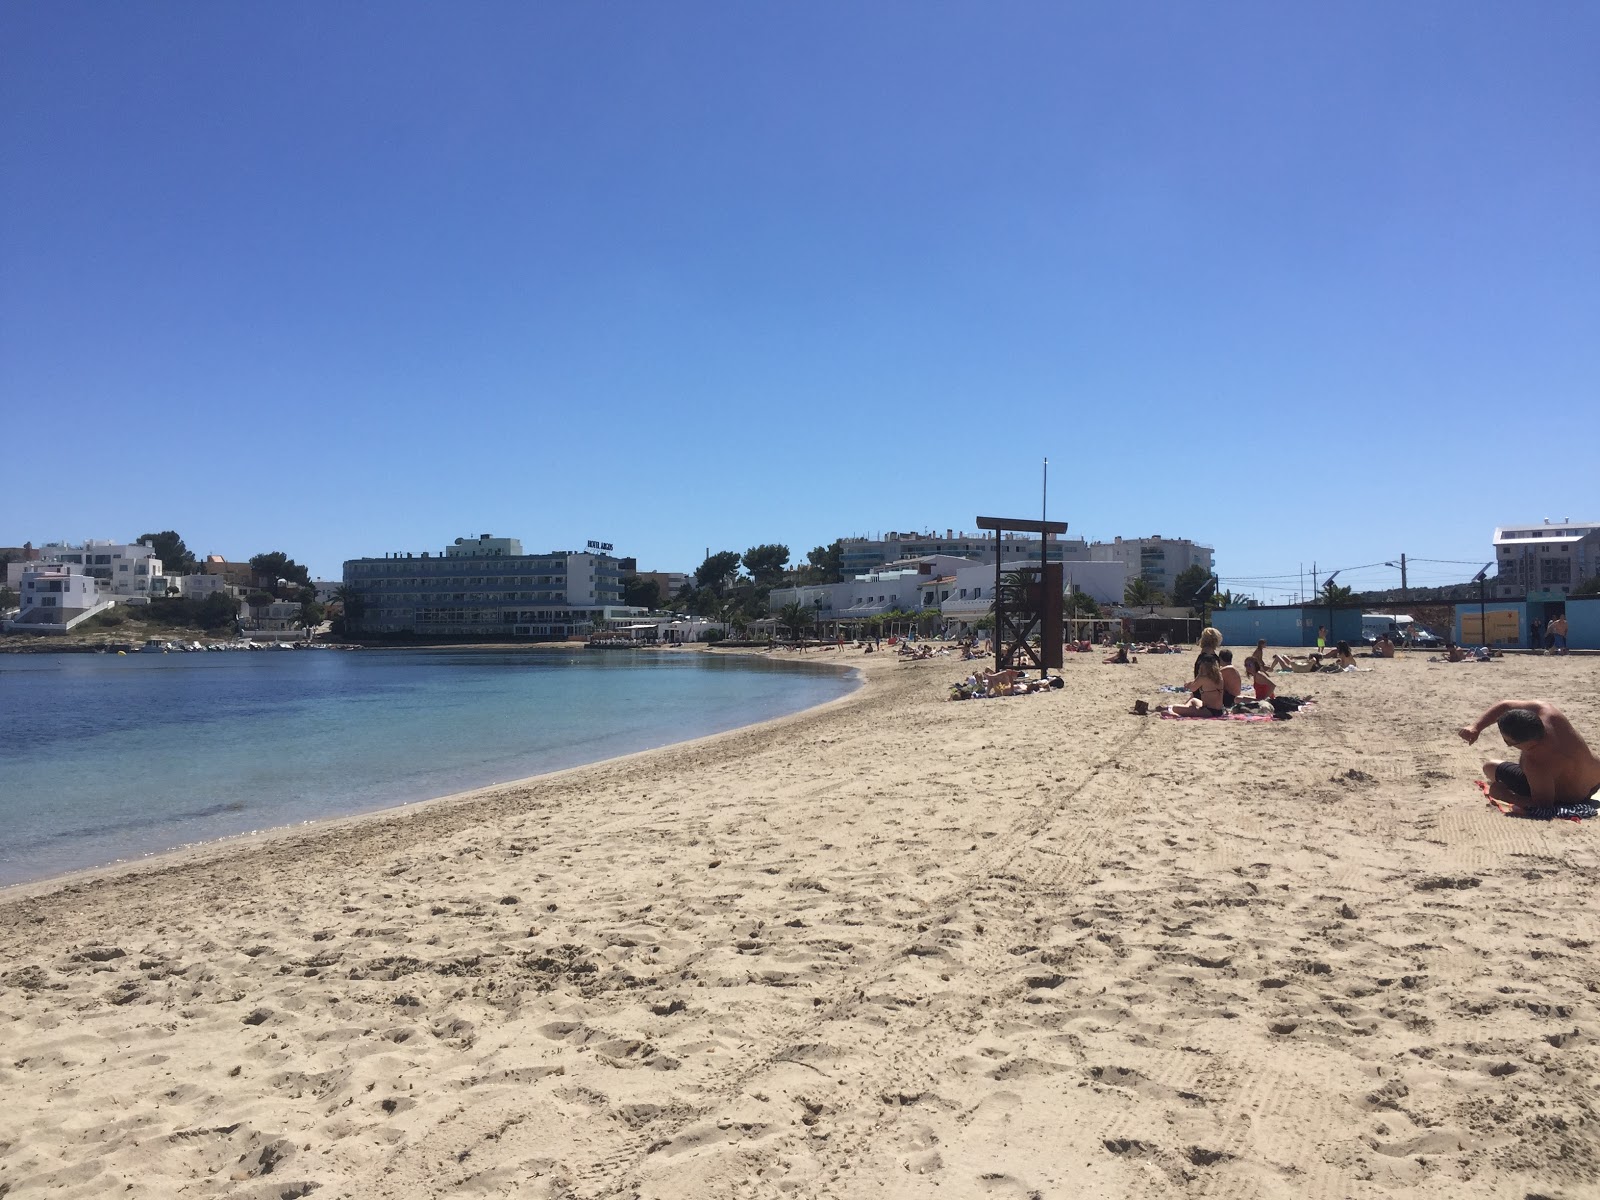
point(1557, 765)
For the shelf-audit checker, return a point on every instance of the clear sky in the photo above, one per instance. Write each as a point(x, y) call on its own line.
point(1302, 282)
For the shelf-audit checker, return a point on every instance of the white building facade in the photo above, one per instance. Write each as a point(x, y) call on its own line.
point(1157, 560)
point(56, 596)
point(861, 555)
point(119, 568)
point(1545, 560)
point(962, 590)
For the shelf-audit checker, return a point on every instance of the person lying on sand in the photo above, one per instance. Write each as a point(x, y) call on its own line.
point(1207, 689)
point(1120, 657)
point(1301, 666)
point(1556, 767)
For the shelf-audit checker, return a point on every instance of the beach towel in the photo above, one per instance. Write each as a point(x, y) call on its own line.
point(1252, 718)
point(1575, 810)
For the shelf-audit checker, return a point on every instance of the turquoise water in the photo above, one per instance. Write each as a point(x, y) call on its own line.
point(105, 758)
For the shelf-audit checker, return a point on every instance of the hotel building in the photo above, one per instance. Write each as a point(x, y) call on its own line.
point(487, 587)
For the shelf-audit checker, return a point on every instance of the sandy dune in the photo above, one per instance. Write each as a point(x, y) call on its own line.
point(894, 947)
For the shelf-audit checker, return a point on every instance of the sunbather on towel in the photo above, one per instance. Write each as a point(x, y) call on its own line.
point(1207, 688)
point(1301, 666)
point(1556, 767)
point(1120, 657)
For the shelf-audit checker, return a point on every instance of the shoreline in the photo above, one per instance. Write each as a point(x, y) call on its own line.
point(160, 860)
point(1032, 945)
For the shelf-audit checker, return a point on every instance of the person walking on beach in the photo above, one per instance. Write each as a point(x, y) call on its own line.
point(1556, 765)
point(1558, 629)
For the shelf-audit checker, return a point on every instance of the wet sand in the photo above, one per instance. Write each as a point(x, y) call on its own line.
point(893, 947)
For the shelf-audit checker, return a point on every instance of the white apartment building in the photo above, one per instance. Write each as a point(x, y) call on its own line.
point(1157, 560)
point(1545, 560)
point(121, 569)
point(860, 555)
point(962, 590)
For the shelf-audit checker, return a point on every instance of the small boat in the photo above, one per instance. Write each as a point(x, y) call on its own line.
point(153, 647)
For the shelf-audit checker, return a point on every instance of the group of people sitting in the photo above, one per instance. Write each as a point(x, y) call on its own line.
point(1217, 688)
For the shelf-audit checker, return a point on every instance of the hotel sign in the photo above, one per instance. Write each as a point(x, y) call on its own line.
point(600, 545)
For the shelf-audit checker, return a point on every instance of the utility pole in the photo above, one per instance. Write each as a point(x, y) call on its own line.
point(1404, 594)
point(1314, 588)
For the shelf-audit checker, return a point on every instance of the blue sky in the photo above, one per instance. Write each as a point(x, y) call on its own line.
point(341, 279)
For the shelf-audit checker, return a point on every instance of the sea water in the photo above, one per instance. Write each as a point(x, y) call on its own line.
point(105, 758)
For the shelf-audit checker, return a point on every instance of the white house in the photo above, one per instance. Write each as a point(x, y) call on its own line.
point(54, 598)
point(198, 587)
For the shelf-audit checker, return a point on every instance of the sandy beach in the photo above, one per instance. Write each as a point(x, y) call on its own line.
point(891, 947)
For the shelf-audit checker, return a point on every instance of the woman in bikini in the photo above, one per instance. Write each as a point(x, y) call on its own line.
point(1207, 688)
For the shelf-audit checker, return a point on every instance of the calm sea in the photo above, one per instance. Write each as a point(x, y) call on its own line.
point(106, 758)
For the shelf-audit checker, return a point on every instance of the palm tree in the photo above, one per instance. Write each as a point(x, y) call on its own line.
point(1140, 593)
point(351, 607)
point(796, 618)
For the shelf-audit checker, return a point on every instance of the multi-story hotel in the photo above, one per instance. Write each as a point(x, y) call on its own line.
point(486, 586)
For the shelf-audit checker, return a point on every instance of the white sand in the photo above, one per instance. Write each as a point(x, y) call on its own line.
point(895, 947)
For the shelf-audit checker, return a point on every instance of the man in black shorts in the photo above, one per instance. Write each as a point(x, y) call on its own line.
point(1556, 767)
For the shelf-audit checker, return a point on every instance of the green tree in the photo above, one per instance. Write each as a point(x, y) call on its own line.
point(217, 611)
point(825, 564)
point(796, 618)
point(766, 563)
point(1140, 593)
point(1081, 604)
point(641, 593)
point(311, 614)
point(8, 599)
point(1335, 593)
point(1589, 587)
point(717, 572)
point(276, 565)
point(352, 607)
point(1192, 588)
point(174, 555)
